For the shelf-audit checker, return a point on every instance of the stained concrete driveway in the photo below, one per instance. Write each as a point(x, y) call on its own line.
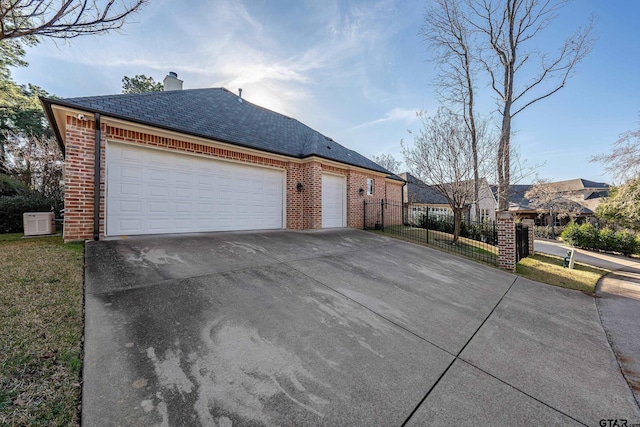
point(332, 328)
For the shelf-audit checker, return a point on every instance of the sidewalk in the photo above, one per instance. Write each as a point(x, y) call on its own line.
point(618, 303)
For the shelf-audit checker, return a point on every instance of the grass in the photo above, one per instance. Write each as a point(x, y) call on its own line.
point(540, 268)
point(467, 247)
point(40, 330)
point(548, 269)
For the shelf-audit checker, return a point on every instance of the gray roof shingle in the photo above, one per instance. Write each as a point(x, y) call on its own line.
point(419, 192)
point(217, 114)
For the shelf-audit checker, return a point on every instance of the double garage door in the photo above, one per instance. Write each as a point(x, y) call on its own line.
point(151, 191)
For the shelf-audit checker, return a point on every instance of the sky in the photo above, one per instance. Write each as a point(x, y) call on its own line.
point(357, 71)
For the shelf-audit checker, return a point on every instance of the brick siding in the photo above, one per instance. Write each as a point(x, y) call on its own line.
point(303, 209)
point(506, 228)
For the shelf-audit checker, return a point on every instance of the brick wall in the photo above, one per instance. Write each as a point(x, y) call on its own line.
point(79, 180)
point(506, 228)
point(312, 196)
point(303, 209)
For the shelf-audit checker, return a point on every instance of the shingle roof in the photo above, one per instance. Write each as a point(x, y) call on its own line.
point(419, 192)
point(218, 114)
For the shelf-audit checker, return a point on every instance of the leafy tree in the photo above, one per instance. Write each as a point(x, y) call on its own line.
point(387, 161)
point(622, 207)
point(139, 84)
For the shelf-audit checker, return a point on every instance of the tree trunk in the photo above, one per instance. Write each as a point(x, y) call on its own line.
point(457, 219)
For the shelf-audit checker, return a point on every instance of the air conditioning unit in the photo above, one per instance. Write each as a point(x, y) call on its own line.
point(38, 223)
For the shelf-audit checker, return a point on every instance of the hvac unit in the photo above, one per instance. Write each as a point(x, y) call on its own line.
point(38, 223)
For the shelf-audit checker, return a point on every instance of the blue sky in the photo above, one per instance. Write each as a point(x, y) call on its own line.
point(356, 71)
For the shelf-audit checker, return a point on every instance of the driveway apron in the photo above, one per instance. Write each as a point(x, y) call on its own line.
point(327, 328)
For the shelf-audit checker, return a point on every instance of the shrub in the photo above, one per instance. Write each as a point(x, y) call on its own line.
point(12, 208)
point(544, 231)
point(572, 234)
point(589, 237)
point(626, 242)
point(10, 186)
point(608, 241)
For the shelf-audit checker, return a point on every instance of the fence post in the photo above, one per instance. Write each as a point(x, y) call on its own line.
point(506, 241)
point(427, 226)
point(364, 214)
point(382, 212)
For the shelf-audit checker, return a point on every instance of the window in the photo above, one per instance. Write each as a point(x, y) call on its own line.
point(484, 214)
point(369, 186)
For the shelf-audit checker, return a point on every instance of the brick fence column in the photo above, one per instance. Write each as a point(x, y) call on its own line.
point(530, 224)
point(506, 241)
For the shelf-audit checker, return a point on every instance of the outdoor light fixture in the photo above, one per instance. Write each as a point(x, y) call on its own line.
point(300, 187)
point(361, 191)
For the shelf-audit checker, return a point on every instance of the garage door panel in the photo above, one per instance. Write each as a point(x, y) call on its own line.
point(151, 191)
point(333, 201)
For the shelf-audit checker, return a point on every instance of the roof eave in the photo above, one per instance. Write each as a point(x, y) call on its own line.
point(48, 111)
point(47, 103)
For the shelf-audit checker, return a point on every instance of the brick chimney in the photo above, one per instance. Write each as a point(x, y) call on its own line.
point(172, 82)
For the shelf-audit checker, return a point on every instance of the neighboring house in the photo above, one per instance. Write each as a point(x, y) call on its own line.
point(184, 161)
point(581, 196)
point(418, 197)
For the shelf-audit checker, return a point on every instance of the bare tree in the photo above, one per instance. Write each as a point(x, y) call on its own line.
point(624, 160)
point(452, 42)
point(387, 161)
point(520, 75)
point(63, 19)
point(546, 198)
point(441, 156)
point(36, 161)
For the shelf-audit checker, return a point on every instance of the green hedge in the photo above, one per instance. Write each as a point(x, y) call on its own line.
point(586, 236)
point(12, 208)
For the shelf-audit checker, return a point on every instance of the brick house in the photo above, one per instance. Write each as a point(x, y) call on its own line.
point(183, 161)
point(420, 197)
point(579, 197)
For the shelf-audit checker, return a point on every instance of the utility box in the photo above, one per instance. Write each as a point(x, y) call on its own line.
point(39, 223)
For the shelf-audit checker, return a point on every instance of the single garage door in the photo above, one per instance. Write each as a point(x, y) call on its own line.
point(151, 191)
point(333, 201)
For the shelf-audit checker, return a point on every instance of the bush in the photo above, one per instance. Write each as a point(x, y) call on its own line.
point(12, 208)
point(572, 234)
point(10, 186)
point(589, 237)
point(544, 231)
point(586, 236)
point(608, 241)
point(626, 241)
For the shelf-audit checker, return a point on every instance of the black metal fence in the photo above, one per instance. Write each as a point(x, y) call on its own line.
point(477, 239)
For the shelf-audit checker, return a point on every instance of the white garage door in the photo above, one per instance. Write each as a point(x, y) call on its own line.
point(154, 192)
point(333, 201)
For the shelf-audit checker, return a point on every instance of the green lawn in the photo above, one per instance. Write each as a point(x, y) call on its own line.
point(41, 320)
point(548, 269)
point(440, 240)
point(541, 268)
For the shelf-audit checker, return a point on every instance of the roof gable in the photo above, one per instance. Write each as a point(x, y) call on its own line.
point(219, 115)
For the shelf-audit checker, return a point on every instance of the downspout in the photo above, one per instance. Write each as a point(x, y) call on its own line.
point(96, 181)
point(405, 215)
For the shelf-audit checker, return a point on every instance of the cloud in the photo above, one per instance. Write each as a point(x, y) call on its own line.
point(394, 115)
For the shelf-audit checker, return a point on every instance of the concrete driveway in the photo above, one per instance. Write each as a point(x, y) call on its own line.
point(339, 327)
